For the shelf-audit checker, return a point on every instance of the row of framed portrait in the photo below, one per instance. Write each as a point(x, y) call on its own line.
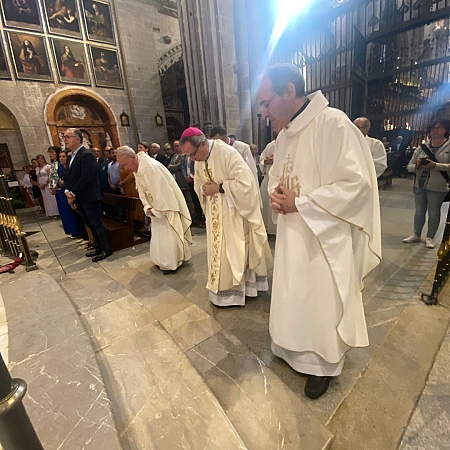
point(30, 60)
point(63, 17)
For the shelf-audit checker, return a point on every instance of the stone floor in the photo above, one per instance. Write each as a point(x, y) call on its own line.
point(117, 355)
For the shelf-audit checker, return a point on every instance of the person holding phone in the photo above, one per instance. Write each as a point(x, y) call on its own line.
point(430, 164)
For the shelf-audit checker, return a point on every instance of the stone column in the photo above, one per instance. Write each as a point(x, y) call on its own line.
point(207, 37)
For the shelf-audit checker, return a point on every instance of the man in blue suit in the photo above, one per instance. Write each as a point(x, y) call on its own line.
point(82, 189)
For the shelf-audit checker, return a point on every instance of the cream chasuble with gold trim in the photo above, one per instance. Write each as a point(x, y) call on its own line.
point(324, 250)
point(171, 233)
point(236, 236)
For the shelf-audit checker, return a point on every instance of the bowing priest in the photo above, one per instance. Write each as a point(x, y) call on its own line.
point(238, 252)
point(164, 202)
point(323, 187)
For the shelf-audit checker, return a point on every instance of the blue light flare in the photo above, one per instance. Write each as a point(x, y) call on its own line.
point(287, 11)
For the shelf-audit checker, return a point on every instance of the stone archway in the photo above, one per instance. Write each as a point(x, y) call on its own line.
point(85, 110)
point(12, 150)
point(174, 91)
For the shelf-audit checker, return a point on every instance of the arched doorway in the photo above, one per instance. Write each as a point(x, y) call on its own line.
point(174, 93)
point(79, 108)
point(12, 149)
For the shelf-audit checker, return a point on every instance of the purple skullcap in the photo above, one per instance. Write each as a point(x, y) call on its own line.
point(191, 131)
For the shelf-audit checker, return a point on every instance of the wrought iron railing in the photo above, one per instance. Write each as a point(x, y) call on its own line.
point(13, 242)
point(443, 266)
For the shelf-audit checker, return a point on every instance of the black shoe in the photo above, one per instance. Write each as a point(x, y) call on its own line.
point(94, 252)
point(101, 256)
point(316, 386)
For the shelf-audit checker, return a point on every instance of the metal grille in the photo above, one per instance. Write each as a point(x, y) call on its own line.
point(398, 49)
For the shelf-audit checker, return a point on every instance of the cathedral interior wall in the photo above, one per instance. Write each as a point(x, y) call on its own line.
point(139, 30)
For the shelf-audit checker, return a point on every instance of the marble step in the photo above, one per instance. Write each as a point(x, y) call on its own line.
point(377, 410)
point(176, 379)
point(158, 398)
point(66, 398)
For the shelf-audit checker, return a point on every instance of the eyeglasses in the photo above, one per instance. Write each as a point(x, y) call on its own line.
point(196, 150)
point(266, 103)
point(68, 137)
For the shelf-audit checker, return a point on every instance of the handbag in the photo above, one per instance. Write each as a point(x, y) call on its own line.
point(443, 173)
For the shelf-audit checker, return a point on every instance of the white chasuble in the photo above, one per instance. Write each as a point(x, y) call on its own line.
point(324, 250)
point(267, 211)
point(236, 237)
point(171, 233)
point(244, 150)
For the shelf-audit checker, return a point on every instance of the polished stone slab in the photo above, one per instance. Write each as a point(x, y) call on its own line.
point(264, 411)
point(48, 347)
point(190, 327)
point(429, 427)
point(116, 320)
point(150, 289)
point(91, 288)
point(159, 399)
point(374, 414)
point(39, 313)
point(66, 399)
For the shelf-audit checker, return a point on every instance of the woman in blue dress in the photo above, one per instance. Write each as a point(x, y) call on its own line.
point(65, 211)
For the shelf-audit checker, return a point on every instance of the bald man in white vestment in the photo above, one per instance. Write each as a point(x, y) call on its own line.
point(164, 202)
point(323, 187)
point(376, 146)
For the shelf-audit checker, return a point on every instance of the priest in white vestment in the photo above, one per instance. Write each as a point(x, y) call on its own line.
point(238, 253)
point(376, 146)
point(323, 187)
point(164, 202)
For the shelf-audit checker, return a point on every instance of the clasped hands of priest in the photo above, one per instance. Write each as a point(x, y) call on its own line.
point(282, 200)
point(210, 188)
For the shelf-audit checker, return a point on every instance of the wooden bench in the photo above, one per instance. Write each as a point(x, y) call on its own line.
point(385, 179)
point(121, 233)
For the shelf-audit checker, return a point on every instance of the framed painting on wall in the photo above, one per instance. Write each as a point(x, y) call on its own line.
point(106, 67)
point(98, 21)
point(63, 17)
point(71, 61)
point(4, 70)
point(29, 56)
point(21, 14)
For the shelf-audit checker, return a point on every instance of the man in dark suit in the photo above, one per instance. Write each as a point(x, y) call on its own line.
point(98, 155)
point(402, 160)
point(400, 147)
point(176, 166)
point(154, 153)
point(82, 189)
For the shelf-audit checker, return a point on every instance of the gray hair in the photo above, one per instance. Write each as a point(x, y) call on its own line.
point(77, 133)
point(157, 145)
point(194, 140)
point(125, 150)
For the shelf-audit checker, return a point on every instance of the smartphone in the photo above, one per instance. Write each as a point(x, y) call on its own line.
point(424, 161)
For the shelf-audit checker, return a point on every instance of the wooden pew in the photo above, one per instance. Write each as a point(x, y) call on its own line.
point(385, 179)
point(121, 233)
